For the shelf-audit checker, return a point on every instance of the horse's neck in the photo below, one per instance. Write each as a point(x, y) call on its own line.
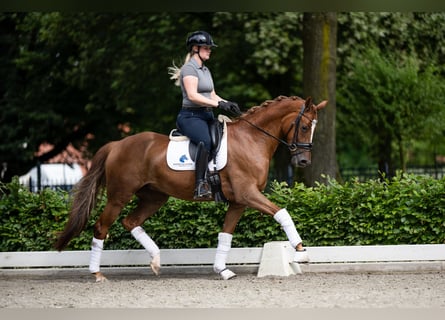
point(263, 123)
point(270, 119)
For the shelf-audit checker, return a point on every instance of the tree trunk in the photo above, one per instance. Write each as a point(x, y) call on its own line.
point(281, 169)
point(385, 163)
point(319, 80)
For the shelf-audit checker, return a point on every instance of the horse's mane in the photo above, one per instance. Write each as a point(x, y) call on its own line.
point(269, 102)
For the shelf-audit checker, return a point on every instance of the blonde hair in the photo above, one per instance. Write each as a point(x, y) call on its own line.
point(174, 71)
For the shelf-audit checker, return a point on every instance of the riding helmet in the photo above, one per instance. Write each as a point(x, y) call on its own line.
point(199, 38)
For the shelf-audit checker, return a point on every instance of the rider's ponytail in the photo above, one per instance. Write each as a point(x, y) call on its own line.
point(174, 71)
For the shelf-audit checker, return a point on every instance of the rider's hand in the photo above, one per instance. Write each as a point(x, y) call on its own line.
point(230, 107)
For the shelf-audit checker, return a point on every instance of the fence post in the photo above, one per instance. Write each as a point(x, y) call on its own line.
point(39, 177)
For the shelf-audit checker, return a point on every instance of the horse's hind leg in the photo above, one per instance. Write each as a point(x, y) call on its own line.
point(231, 219)
point(149, 202)
point(108, 216)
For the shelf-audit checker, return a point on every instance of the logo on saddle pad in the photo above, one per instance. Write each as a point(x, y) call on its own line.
point(183, 158)
point(179, 158)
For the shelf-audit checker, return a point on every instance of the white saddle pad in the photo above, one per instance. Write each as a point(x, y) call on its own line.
point(178, 155)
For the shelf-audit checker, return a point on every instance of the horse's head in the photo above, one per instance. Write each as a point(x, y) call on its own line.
point(292, 122)
point(300, 138)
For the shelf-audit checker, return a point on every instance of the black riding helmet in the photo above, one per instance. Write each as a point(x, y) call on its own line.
point(199, 38)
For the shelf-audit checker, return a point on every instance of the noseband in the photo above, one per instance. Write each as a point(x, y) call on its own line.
point(294, 145)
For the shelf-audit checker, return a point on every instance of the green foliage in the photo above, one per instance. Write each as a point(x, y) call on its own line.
point(417, 33)
point(388, 103)
point(28, 221)
point(399, 81)
point(406, 209)
point(68, 74)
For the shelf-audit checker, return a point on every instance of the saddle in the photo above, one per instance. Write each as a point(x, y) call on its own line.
point(216, 129)
point(181, 154)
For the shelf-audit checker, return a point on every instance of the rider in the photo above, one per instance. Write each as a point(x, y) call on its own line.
point(198, 99)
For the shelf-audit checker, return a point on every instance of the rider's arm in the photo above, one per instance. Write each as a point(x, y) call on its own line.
point(191, 87)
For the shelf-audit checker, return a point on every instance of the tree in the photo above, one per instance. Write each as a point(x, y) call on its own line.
point(388, 100)
point(65, 74)
point(403, 35)
point(269, 51)
point(24, 115)
point(319, 77)
point(73, 74)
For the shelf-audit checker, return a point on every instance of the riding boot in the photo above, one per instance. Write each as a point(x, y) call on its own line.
point(202, 188)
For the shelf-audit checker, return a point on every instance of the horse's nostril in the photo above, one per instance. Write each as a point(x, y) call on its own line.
point(304, 163)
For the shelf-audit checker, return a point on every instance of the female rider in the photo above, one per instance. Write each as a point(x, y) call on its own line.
point(198, 99)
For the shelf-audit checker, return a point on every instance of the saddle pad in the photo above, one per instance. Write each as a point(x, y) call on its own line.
point(178, 155)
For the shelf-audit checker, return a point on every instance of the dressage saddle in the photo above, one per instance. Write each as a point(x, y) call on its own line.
point(216, 129)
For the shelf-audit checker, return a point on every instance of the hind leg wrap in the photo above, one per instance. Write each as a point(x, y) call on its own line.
point(96, 253)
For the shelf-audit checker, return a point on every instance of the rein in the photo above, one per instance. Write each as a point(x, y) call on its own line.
point(295, 145)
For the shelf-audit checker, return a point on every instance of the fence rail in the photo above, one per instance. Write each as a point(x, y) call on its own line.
point(429, 257)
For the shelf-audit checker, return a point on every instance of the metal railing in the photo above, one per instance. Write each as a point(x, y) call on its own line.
point(363, 174)
point(53, 184)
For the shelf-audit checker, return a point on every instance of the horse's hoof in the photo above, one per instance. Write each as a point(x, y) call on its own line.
point(100, 277)
point(226, 274)
point(155, 264)
point(301, 256)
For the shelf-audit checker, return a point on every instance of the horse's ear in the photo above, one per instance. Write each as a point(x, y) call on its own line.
point(308, 102)
point(321, 105)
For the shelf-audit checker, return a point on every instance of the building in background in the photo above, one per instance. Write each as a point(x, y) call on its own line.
point(60, 172)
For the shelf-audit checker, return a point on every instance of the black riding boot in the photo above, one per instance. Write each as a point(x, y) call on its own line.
point(202, 188)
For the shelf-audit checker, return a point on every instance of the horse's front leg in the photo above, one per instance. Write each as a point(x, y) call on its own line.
point(231, 219)
point(284, 219)
point(258, 201)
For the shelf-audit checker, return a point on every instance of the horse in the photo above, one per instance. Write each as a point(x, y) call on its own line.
point(136, 165)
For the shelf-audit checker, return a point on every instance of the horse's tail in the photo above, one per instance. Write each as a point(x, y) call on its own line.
point(85, 198)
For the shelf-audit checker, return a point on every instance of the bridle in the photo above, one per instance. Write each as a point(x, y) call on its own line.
point(294, 145)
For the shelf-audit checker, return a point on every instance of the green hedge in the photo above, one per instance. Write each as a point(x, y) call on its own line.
point(407, 209)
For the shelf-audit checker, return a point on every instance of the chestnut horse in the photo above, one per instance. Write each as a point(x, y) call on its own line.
point(136, 165)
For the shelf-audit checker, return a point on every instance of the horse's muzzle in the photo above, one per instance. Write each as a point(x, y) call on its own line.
point(300, 161)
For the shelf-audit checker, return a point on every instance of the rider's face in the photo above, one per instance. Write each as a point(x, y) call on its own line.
point(204, 52)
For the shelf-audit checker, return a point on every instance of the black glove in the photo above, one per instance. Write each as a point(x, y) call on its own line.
point(229, 106)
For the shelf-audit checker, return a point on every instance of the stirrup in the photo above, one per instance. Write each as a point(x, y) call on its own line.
point(202, 191)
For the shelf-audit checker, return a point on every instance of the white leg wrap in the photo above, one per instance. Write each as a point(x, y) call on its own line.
point(96, 252)
point(222, 251)
point(145, 240)
point(285, 220)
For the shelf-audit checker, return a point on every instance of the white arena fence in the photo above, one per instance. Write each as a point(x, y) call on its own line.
point(385, 258)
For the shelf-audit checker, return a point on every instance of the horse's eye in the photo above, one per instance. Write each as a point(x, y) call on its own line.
point(304, 128)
